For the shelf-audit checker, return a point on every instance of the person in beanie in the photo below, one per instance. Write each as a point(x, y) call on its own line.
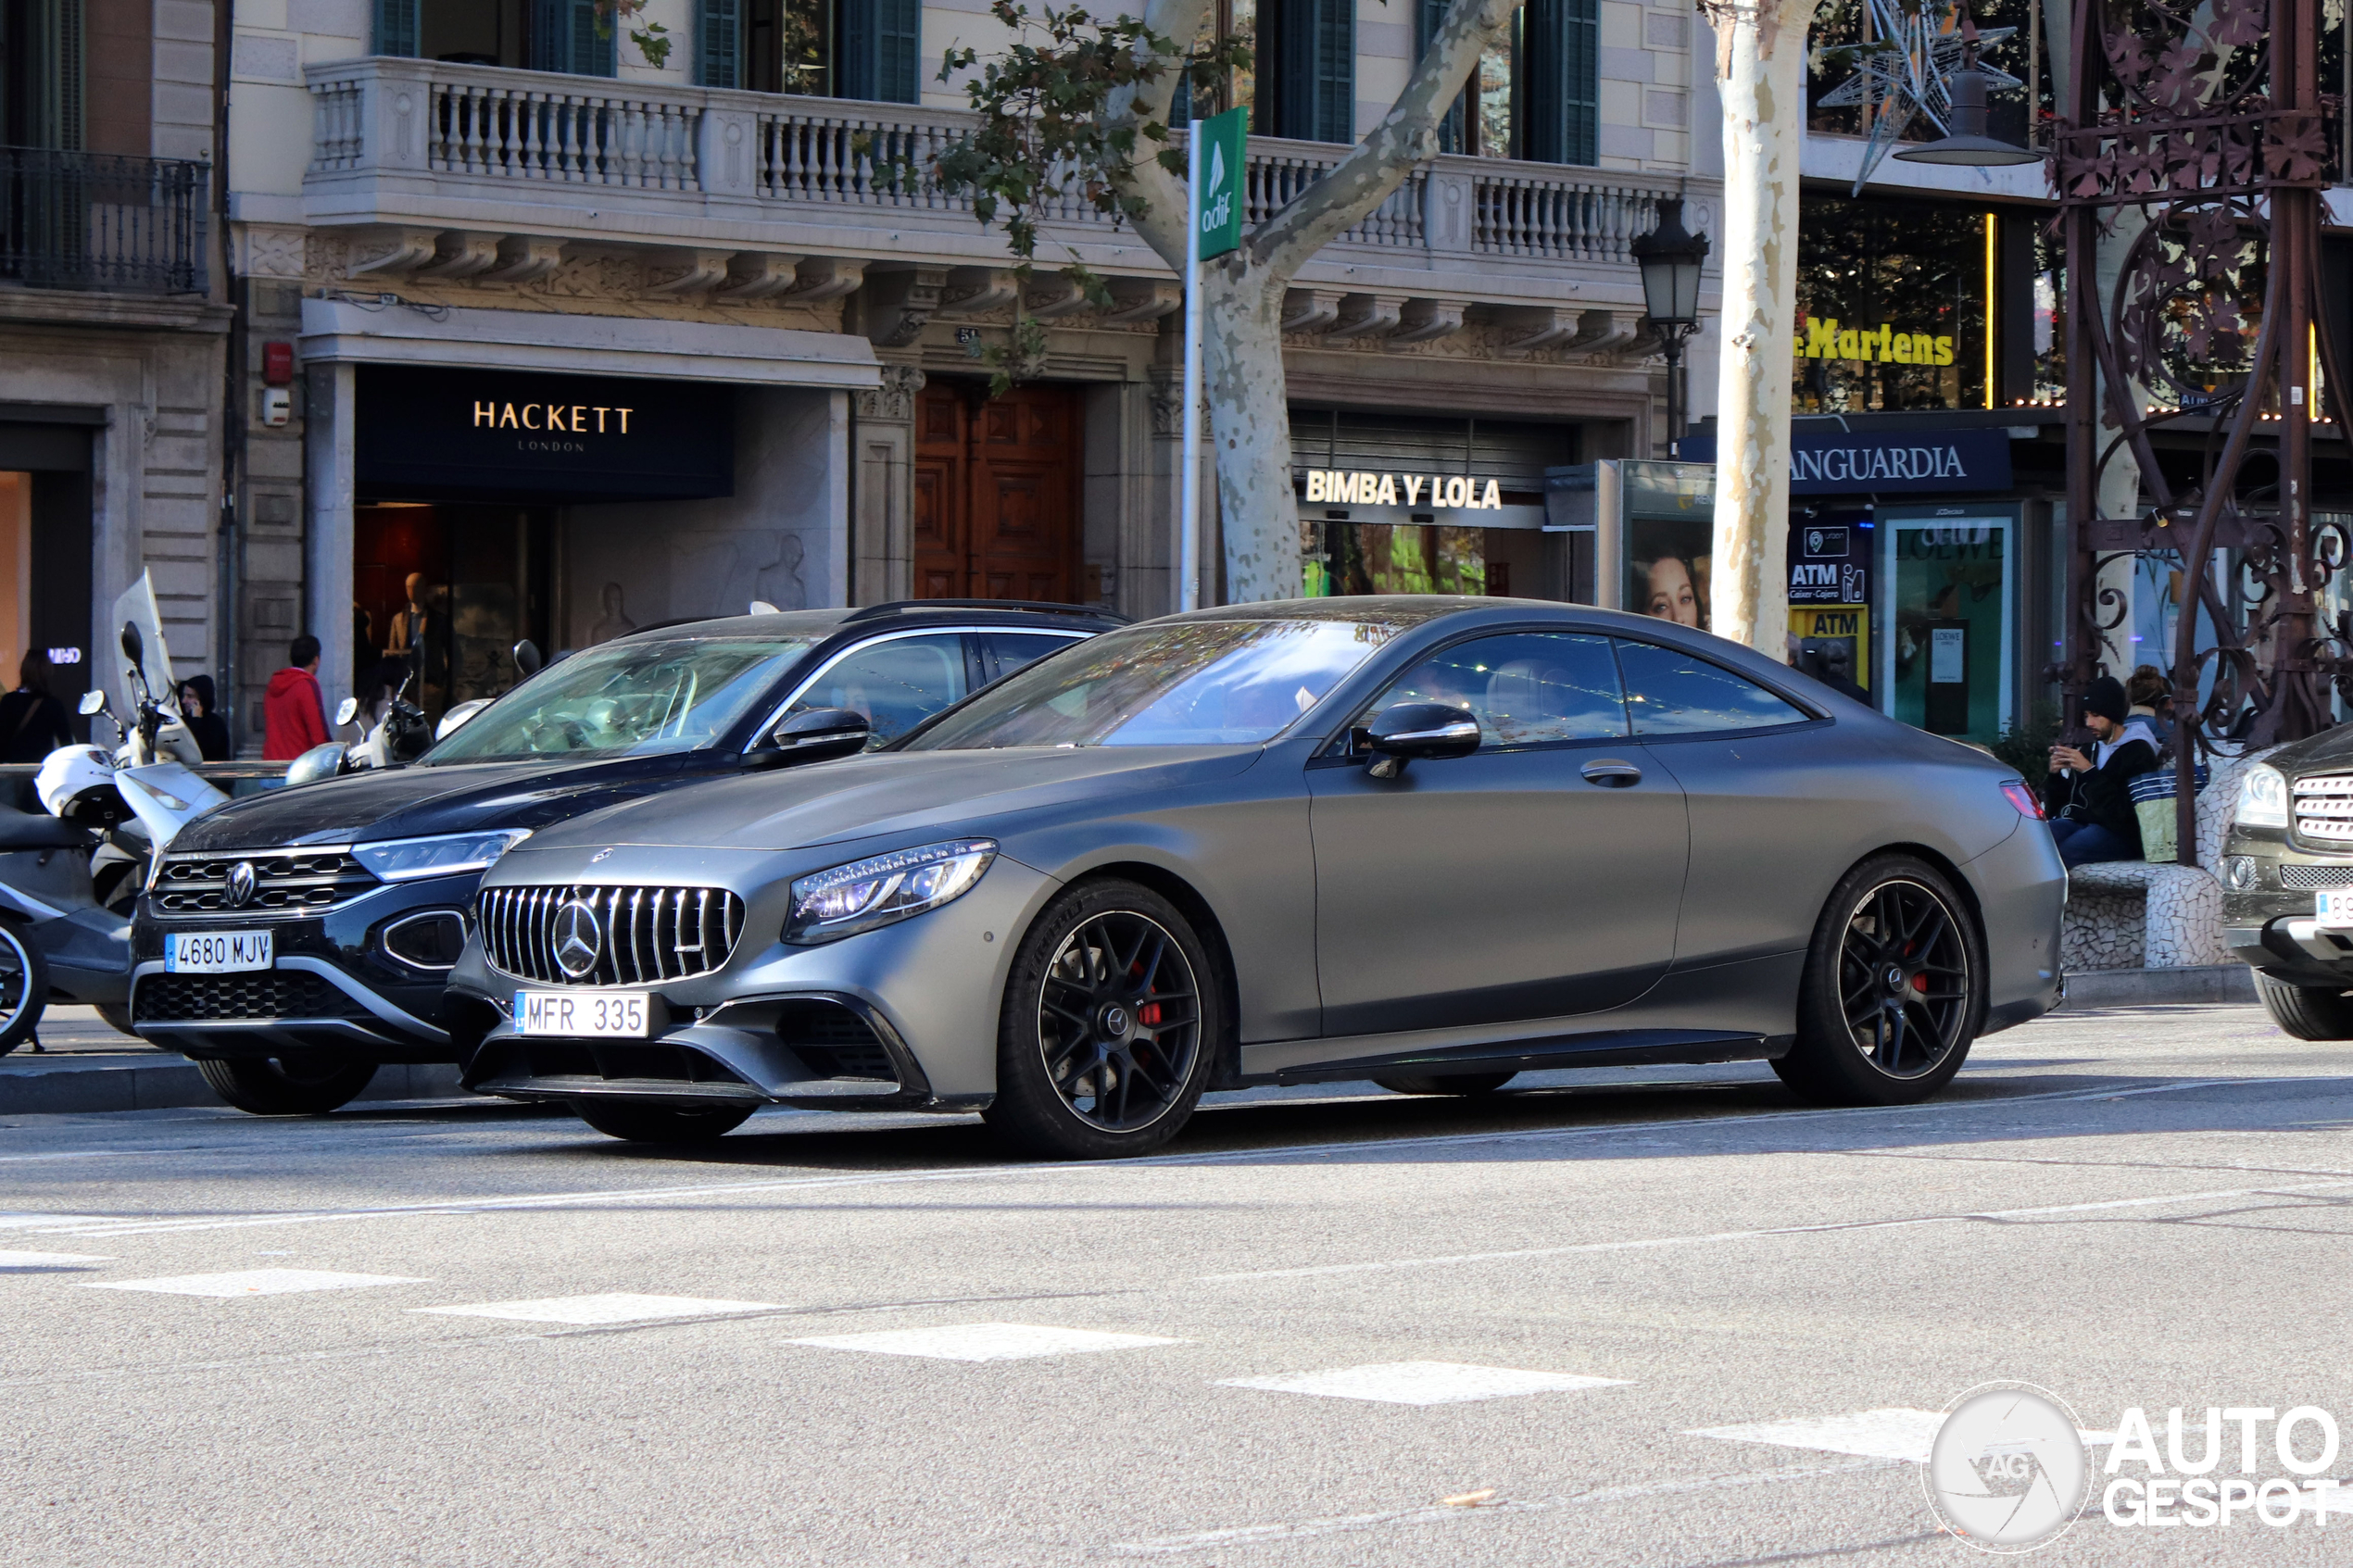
point(2088, 797)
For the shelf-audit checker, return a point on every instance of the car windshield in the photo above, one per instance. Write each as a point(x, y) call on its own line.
point(627, 700)
point(1190, 682)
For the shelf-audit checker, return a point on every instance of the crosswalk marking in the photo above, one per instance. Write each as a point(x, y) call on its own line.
point(1423, 1382)
point(251, 1282)
point(986, 1342)
point(10, 1262)
point(617, 1307)
point(1880, 1434)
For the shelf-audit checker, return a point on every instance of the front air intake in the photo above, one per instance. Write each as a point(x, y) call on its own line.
point(592, 935)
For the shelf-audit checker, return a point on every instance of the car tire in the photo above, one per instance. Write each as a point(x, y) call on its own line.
point(2306, 1012)
point(1894, 989)
point(660, 1123)
point(117, 1017)
point(1111, 1024)
point(24, 986)
point(1445, 1082)
point(294, 1086)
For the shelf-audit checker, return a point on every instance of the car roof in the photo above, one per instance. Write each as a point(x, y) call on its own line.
point(901, 613)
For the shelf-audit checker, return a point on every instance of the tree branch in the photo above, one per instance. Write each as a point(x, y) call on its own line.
point(1378, 164)
point(1161, 224)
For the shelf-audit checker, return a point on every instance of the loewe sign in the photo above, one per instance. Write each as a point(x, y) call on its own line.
point(444, 434)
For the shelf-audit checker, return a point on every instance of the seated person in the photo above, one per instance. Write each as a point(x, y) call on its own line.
point(2088, 799)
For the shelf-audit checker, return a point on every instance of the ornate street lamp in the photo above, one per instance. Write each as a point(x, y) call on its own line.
point(1968, 145)
point(1671, 257)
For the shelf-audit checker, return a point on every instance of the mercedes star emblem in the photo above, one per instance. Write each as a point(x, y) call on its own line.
point(579, 937)
point(239, 892)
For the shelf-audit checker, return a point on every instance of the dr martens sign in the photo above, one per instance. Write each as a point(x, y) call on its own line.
point(433, 434)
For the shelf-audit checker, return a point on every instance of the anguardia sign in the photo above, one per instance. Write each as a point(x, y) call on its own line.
point(1942, 462)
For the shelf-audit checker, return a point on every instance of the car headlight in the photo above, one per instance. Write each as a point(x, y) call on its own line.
point(864, 894)
point(402, 859)
point(2263, 798)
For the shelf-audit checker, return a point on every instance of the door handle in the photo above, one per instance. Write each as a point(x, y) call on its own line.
point(1612, 774)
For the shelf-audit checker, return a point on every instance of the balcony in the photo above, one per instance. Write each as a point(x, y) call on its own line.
point(99, 222)
point(463, 171)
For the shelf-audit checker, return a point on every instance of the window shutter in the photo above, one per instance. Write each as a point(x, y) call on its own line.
point(719, 43)
point(564, 37)
point(881, 43)
point(1563, 90)
point(397, 26)
point(1450, 130)
point(1317, 61)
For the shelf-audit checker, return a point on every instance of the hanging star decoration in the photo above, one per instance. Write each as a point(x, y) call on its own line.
point(1903, 77)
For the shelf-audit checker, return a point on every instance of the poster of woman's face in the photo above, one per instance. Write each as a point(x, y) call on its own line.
point(1666, 568)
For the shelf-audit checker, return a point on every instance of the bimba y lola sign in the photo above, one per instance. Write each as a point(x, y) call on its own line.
point(1338, 487)
point(1828, 338)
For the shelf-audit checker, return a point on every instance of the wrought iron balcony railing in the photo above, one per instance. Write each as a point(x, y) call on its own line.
point(96, 220)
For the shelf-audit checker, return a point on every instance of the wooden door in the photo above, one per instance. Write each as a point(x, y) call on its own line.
point(996, 494)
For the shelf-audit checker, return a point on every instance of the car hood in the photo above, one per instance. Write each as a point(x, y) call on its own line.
point(410, 802)
point(889, 793)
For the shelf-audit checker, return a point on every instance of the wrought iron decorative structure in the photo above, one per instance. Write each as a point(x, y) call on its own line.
point(2196, 139)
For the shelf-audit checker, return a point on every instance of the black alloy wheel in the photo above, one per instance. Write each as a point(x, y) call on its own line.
point(1103, 1049)
point(24, 986)
point(299, 1083)
point(1894, 989)
point(639, 1123)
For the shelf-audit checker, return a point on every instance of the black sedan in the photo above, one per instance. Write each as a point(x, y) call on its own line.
point(293, 941)
point(1433, 842)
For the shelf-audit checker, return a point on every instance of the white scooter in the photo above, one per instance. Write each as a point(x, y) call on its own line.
point(68, 881)
point(398, 735)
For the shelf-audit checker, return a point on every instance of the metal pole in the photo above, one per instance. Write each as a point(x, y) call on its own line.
point(1674, 337)
point(1188, 524)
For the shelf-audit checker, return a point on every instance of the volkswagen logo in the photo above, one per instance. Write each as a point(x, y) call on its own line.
point(239, 891)
point(579, 937)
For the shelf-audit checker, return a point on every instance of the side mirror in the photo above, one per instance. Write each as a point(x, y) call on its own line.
point(134, 647)
point(818, 734)
point(527, 660)
point(93, 701)
point(347, 710)
point(322, 762)
point(456, 717)
point(1426, 731)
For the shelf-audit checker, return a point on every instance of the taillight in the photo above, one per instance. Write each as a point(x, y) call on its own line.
point(2028, 804)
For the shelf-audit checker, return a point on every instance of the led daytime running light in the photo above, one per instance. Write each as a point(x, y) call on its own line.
point(863, 895)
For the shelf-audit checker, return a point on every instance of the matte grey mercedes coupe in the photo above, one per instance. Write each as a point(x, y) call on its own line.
point(1431, 842)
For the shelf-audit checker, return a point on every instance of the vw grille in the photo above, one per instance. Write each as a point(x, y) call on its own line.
point(281, 880)
point(642, 935)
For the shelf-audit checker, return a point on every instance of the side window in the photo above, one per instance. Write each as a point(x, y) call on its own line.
point(1526, 687)
point(1679, 693)
point(896, 684)
point(1008, 651)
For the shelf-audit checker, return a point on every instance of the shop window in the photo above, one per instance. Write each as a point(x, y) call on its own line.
point(1846, 33)
point(1672, 692)
point(1529, 688)
point(1894, 306)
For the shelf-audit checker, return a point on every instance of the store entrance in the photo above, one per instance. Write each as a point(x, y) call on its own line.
point(997, 494)
point(443, 591)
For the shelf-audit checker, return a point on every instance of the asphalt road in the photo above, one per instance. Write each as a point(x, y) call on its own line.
point(2134, 1208)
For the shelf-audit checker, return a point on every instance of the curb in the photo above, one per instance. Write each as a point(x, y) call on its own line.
point(174, 1083)
point(2142, 988)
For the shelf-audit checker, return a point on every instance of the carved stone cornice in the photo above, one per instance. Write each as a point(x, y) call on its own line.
point(894, 401)
point(899, 305)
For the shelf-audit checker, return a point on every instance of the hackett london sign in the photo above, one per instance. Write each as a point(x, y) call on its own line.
point(436, 433)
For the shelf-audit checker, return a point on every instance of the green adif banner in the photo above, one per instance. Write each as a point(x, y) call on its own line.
point(1219, 139)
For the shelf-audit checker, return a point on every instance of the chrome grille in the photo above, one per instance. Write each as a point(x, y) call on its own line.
point(644, 935)
point(2294, 876)
point(283, 880)
point(2324, 807)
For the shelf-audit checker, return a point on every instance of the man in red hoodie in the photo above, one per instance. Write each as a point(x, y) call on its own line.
point(293, 712)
